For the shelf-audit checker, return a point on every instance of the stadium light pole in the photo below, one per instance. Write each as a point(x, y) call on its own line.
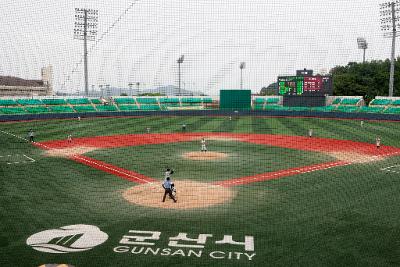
point(390, 12)
point(138, 88)
point(180, 61)
point(362, 44)
point(86, 30)
point(241, 66)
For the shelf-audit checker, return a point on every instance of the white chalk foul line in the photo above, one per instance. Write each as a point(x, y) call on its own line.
point(111, 169)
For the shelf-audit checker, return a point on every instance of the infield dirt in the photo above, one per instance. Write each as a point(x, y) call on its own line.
point(190, 195)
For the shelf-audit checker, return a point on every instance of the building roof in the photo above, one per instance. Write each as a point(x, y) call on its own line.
point(15, 81)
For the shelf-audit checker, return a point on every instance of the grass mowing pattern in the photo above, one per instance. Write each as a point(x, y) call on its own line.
point(343, 216)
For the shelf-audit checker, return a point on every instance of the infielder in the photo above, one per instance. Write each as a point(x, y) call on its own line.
point(69, 138)
point(378, 142)
point(203, 145)
point(310, 132)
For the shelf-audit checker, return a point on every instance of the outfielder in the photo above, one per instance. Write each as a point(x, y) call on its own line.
point(203, 145)
point(31, 135)
point(69, 138)
point(310, 132)
point(378, 142)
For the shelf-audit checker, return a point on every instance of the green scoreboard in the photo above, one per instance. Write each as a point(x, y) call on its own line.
point(235, 99)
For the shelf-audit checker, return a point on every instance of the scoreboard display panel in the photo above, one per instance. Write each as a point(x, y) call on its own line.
point(305, 85)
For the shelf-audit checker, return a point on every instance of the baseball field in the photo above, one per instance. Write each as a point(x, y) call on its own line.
point(264, 194)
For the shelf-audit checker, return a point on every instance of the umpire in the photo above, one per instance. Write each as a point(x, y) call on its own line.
point(167, 185)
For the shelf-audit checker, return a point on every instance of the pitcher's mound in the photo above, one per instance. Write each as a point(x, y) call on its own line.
point(190, 195)
point(209, 155)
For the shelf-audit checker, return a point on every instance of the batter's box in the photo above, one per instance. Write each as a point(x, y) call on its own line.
point(392, 169)
point(16, 159)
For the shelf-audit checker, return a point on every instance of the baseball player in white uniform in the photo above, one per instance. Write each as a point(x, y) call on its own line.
point(203, 145)
point(69, 138)
point(378, 142)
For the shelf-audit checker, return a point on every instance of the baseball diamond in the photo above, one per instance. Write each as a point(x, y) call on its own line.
point(265, 185)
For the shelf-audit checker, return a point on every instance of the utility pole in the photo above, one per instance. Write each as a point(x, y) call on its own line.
point(86, 30)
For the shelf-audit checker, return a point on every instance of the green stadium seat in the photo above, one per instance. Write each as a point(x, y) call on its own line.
point(147, 100)
point(274, 100)
point(106, 108)
point(169, 100)
point(29, 102)
point(37, 110)
point(124, 101)
point(150, 107)
point(258, 107)
point(61, 109)
point(350, 101)
point(380, 102)
point(87, 108)
point(300, 109)
point(392, 110)
point(128, 107)
point(191, 100)
point(259, 101)
point(276, 107)
point(396, 102)
point(336, 101)
point(54, 101)
point(324, 109)
point(96, 101)
point(371, 109)
point(8, 102)
point(14, 110)
point(79, 101)
point(207, 100)
point(347, 108)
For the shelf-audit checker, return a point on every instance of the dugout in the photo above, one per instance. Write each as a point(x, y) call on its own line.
point(235, 99)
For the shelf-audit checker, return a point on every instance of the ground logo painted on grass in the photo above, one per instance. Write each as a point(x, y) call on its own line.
point(66, 239)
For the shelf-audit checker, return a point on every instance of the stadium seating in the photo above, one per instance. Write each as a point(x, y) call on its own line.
point(150, 107)
point(37, 110)
point(29, 102)
point(54, 101)
point(124, 101)
point(169, 101)
point(396, 102)
point(347, 108)
point(191, 100)
point(87, 108)
point(106, 108)
point(128, 107)
point(371, 109)
point(272, 101)
point(336, 101)
point(8, 102)
point(324, 109)
point(13, 110)
point(147, 100)
point(61, 109)
point(207, 100)
point(350, 101)
point(380, 102)
point(258, 107)
point(392, 110)
point(96, 101)
point(78, 101)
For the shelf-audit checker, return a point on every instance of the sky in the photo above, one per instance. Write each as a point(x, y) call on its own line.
point(141, 40)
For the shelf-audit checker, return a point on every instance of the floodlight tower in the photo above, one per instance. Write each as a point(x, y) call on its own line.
point(362, 44)
point(390, 12)
point(86, 30)
point(180, 61)
point(241, 66)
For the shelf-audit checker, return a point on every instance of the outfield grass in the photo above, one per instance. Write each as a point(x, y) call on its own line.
point(344, 216)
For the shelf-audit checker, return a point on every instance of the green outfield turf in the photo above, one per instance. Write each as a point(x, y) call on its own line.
point(343, 216)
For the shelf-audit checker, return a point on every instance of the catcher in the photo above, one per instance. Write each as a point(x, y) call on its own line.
point(168, 186)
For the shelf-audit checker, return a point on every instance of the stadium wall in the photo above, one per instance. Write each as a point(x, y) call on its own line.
point(327, 115)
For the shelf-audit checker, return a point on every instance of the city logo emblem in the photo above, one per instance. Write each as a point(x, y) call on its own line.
point(71, 238)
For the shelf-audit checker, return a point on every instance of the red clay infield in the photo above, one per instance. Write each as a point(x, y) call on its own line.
point(294, 142)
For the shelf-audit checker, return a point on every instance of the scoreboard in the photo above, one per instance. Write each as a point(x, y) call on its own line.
point(305, 85)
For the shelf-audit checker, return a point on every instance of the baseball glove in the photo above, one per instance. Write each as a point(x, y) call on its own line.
point(172, 171)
